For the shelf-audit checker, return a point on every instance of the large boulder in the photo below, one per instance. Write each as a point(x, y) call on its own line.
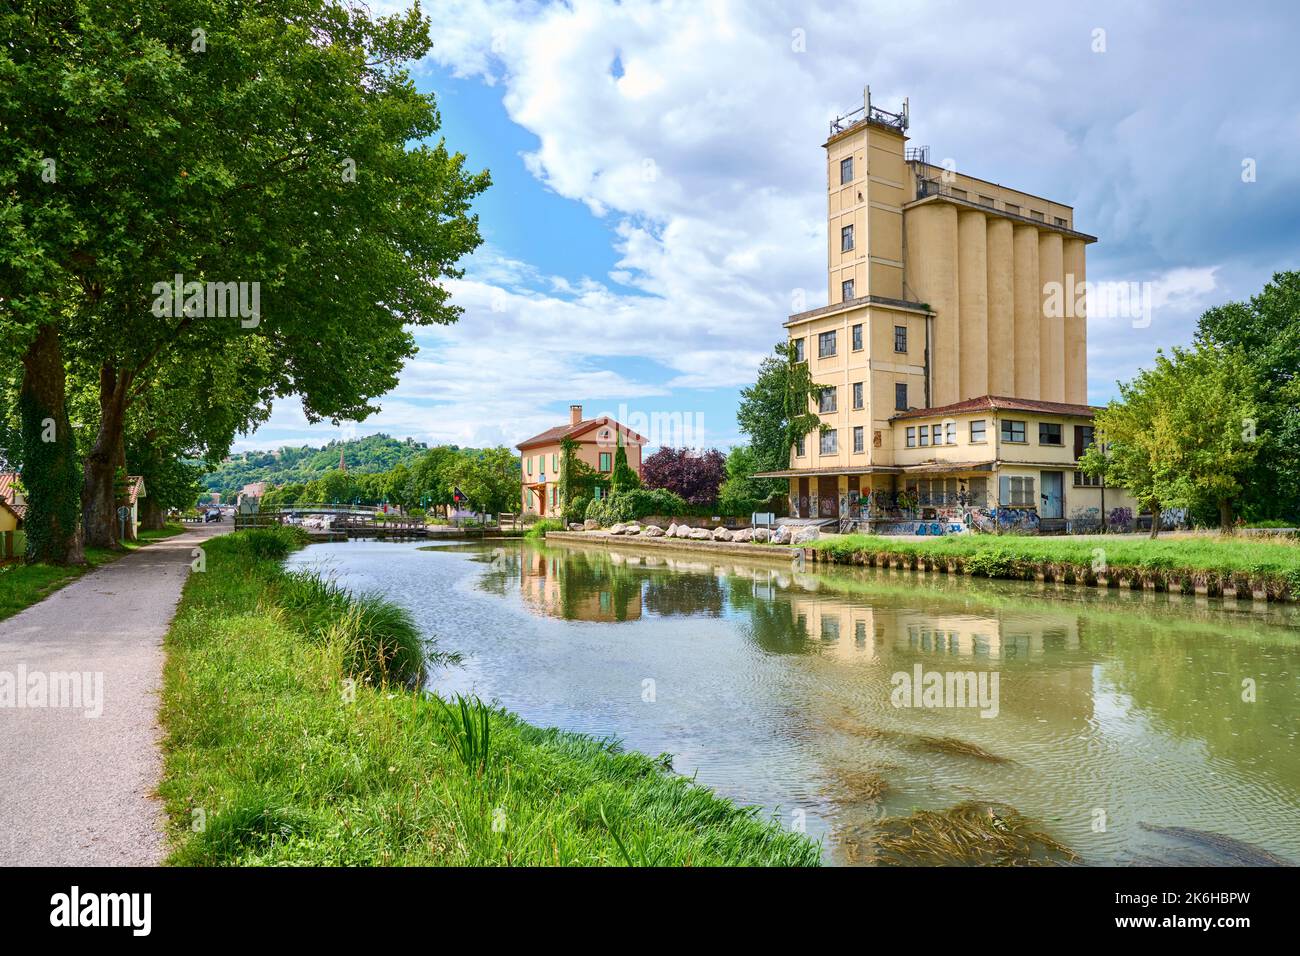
point(780, 534)
point(575, 525)
point(804, 535)
point(744, 534)
point(632, 528)
point(652, 531)
point(700, 534)
point(591, 524)
point(721, 534)
point(760, 535)
point(672, 529)
point(683, 531)
point(617, 528)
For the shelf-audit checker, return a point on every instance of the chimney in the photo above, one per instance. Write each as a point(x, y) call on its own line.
point(575, 414)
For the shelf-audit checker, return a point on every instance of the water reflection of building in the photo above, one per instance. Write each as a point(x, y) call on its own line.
point(577, 587)
point(867, 632)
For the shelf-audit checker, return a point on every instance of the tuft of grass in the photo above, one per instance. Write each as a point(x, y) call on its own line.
point(468, 730)
point(292, 766)
point(955, 747)
point(539, 529)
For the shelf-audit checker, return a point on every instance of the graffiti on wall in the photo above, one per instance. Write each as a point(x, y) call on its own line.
point(995, 520)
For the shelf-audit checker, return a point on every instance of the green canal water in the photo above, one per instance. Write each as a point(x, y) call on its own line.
point(1133, 728)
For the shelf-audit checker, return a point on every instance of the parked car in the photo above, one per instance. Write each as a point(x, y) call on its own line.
point(213, 515)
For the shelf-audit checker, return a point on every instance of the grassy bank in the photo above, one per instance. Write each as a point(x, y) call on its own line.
point(292, 739)
point(22, 585)
point(1180, 562)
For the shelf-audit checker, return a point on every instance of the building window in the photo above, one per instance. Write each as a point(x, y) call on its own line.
point(1084, 436)
point(950, 429)
point(529, 462)
point(1059, 221)
point(825, 344)
point(857, 338)
point(925, 436)
point(959, 193)
point(857, 438)
point(988, 201)
point(1015, 491)
point(1013, 431)
point(555, 463)
point(830, 442)
point(846, 238)
point(555, 495)
point(541, 466)
point(900, 338)
point(911, 436)
point(937, 432)
point(1011, 208)
point(1082, 480)
point(846, 170)
point(826, 402)
point(798, 350)
point(1035, 214)
point(1049, 433)
point(900, 397)
point(799, 446)
point(977, 430)
point(605, 461)
point(857, 394)
point(846, 290)
point(598, 492)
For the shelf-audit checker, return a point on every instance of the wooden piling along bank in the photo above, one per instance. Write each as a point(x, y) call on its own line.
point(1242, 585)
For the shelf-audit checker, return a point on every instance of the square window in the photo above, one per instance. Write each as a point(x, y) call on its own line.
point(1049, 433)
point(825, 344)
point(857, 338)
point(857, 394)
point(977, 429)
point(846, 170)
point(911, 436)
point(1013, 431)
point(988, 201)
point(826, 401)
point(1059, 221)
point(830, 442)
point(900, 338)
point(900, 397)
point(846, 290)
point(846, 238)
point(857, 438)
point(1035, 214)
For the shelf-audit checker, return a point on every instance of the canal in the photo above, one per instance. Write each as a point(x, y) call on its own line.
point(1131, 728)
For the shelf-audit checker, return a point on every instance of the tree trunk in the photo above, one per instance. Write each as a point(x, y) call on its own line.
point(49, 455)
point(1155, 521)
point(1225, 516)
point(98, 501)
point(152, 517)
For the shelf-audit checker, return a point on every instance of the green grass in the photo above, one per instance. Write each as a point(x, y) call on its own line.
point(1008, 555)
point(539, 529)
point(22, 585)
point(281, 749)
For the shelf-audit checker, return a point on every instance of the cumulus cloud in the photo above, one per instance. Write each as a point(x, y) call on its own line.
point(694, 130)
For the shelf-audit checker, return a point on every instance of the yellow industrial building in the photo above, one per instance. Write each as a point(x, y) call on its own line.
point(953, 351)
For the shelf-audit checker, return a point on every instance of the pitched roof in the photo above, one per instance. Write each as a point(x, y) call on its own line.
point(9, 481)
point(993, 403)
point(559, 432)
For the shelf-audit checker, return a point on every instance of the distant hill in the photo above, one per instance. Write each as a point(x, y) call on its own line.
point(363, 455)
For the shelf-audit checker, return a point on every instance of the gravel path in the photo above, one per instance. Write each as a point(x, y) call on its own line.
point(77, 789)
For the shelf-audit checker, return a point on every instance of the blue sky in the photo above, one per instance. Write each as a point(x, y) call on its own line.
point(658, 197)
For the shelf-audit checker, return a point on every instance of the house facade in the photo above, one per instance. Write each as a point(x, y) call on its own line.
point(541, 455)
point(953, 353)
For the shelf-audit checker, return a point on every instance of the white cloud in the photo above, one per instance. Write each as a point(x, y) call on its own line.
point(695, 129)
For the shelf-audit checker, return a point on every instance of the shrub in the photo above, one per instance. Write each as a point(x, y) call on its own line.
point(539, 529)
point(273, 543)
point(598, 510)
point(640, 502)
point(576, 511)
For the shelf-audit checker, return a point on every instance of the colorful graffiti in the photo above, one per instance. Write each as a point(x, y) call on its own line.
point(1002, 520)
